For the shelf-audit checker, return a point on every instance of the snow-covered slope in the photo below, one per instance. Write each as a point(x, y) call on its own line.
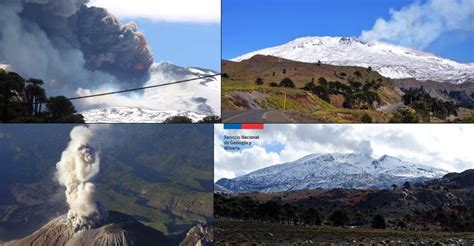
point(135, 115)
point(201, 96)
point(328, 171)
point(195, 99)
point(220, 189)
point(389, 60)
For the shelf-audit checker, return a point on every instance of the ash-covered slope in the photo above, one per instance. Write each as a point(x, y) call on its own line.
point(329, 171)
point(389, 60)
point(119, 229)
point(194, 99)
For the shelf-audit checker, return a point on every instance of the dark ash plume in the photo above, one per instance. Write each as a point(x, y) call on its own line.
point(109, 46)
point(64, 42)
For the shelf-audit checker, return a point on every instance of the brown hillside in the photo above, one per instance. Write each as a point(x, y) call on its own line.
point(274, 69)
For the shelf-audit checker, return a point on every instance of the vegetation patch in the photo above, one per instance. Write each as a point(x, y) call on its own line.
point(25, 101)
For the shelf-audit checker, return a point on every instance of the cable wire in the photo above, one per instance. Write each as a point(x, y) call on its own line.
point(131, 90)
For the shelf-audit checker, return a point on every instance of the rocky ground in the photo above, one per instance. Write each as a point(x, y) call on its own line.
point(252, 233)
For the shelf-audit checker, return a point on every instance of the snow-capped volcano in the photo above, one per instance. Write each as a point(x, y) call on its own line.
point(359, 171)
point(389, 60)
point(195, 99)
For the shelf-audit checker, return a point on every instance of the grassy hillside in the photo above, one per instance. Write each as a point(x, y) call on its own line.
point(160, 174)
point(274, 69)
point(316, 92)
point(240, 91)
point(272, 97)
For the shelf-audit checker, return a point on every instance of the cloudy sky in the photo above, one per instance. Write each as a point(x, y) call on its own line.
point(183, 32)
point(443, 27)
point(443, 146)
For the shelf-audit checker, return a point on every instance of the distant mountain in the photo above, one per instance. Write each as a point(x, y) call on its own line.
point(195, 99)
point(329, 171)
point(389, 60)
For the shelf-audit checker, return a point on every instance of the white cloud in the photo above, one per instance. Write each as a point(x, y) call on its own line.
point(200, 11)
point(420, 24)
point(232, 164)
point(442, 146)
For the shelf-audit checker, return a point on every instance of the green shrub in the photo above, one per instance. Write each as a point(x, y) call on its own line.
point(259, 81)
point(287, 82)
point(210, 119)
point(339, 217)
point(366, 118)
point(178, 120)
point(273, 84)
point(404, 115)
point(378, 222)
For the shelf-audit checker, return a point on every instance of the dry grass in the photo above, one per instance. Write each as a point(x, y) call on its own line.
point(305, 106)
point(252, 233)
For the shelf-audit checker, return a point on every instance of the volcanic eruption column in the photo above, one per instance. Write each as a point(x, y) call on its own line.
point(78, 165)
point(66, 41)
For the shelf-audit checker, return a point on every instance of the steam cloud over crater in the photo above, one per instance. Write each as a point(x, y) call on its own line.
point(419, 24)
point(65, 41)
point(78, 166)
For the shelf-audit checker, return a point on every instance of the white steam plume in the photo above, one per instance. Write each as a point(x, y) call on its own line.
point(78, 165)
point(420, 24)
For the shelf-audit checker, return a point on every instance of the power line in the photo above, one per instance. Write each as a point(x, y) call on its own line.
point(131, 90)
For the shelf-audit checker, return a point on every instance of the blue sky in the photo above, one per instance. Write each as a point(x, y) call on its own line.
point(249, 25)
point(184, 44)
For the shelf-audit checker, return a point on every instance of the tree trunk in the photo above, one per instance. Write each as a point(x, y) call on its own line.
point(36, 106)
point(5, 104)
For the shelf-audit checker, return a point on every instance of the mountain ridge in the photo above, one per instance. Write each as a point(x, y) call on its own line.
point(390, 60)
point(327, 171)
